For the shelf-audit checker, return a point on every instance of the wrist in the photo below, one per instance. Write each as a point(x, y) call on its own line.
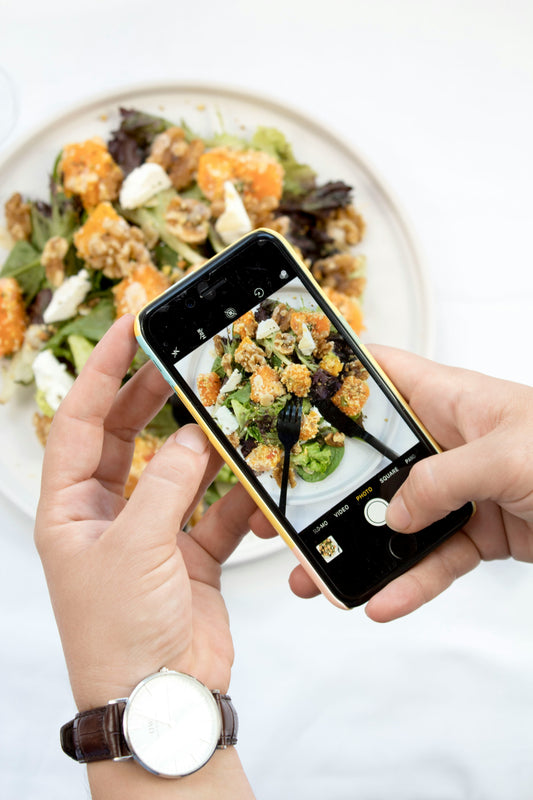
point(222, 777)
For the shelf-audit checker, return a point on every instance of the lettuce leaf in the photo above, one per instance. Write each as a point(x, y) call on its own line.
point(92, 326)
point(316, 461)
point(24, 264)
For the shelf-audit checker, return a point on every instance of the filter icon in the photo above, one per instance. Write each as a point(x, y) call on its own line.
point(230, 312)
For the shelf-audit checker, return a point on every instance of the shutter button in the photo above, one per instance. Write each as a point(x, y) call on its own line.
point(375, 511)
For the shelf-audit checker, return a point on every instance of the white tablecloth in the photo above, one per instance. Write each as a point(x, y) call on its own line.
point(436, 706)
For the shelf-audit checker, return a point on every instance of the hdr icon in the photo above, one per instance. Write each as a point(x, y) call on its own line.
point(201, 334)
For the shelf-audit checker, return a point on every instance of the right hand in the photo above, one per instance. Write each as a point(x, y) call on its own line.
point(486, 426)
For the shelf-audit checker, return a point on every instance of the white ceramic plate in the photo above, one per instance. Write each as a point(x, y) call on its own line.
point(397, 301)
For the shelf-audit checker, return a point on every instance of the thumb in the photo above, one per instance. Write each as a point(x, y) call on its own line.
point(445, 482)
point(166, 489)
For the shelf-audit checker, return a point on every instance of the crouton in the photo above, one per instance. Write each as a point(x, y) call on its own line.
point(265, 386)
point(297, 379)
point(259, 174)
point(89, 171)
point(143, 284)
point(245, 325)
point(331, 363)
point(309, 426)
point(264, 457)
point(352, 396)
point(349, 307)
point(316, 321)
point(12, 317)
point(208, 386)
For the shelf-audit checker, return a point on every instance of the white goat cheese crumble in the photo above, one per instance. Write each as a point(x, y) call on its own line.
point(67, 297)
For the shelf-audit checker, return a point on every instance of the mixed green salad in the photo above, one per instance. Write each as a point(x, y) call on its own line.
point(269, 356)
point(127, 217)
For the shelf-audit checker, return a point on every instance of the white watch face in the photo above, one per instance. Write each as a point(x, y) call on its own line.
point(172, 724)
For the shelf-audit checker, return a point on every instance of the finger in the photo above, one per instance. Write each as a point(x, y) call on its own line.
point(213, 467)
point(260, 525)
point(435, 573)
point(444, 482)
point(76, 436)
point(225, 524)
point(431, 390)
point(166, 489)
point(302, 584)
point(136, 404)
point(405, 369)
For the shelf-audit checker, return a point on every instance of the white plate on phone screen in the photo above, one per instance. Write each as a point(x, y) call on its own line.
point(397, 302)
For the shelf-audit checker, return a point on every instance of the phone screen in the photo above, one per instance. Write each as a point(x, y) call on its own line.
point(252, 336)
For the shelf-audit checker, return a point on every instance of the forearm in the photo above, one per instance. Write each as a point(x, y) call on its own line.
point(222, 777)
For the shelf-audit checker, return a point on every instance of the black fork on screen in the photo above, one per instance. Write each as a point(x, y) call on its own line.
point(288, 429)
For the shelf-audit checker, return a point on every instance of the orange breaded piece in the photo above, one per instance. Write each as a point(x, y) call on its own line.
point(265, 386)
point(95, 224)
point(208, 386)
point(316, 321)
point(259, 174)
point(90, 172)
point(143, 284)
point(264, 457)
point(349, 307)
point(352, 396)
point(309, 426)
point(332, 364)
point(245, 325)
point(12, 317)
point(108, 243)
point(297, 379)
point(146, 446)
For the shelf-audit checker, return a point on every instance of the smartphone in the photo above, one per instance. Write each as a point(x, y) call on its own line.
point(298, 408)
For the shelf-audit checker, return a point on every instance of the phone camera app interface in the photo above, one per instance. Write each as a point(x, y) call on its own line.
point(301, 410)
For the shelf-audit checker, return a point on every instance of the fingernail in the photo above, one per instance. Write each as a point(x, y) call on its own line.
point(192, 437)
point(398, 517)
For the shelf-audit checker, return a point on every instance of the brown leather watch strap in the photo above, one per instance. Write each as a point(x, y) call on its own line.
point(97, 735)
point(230, 720)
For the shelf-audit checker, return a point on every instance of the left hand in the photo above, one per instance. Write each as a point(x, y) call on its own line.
point(131, 592)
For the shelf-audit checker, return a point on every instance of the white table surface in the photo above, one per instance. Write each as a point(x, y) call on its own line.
point(437, 96)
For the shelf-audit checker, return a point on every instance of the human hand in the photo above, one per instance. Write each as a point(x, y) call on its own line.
point(130, 591)
point(486, 426)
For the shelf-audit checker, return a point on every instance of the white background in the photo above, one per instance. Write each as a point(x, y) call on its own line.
point(437, 95)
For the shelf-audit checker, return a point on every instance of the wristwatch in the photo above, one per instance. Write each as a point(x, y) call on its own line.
point(171, 724)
